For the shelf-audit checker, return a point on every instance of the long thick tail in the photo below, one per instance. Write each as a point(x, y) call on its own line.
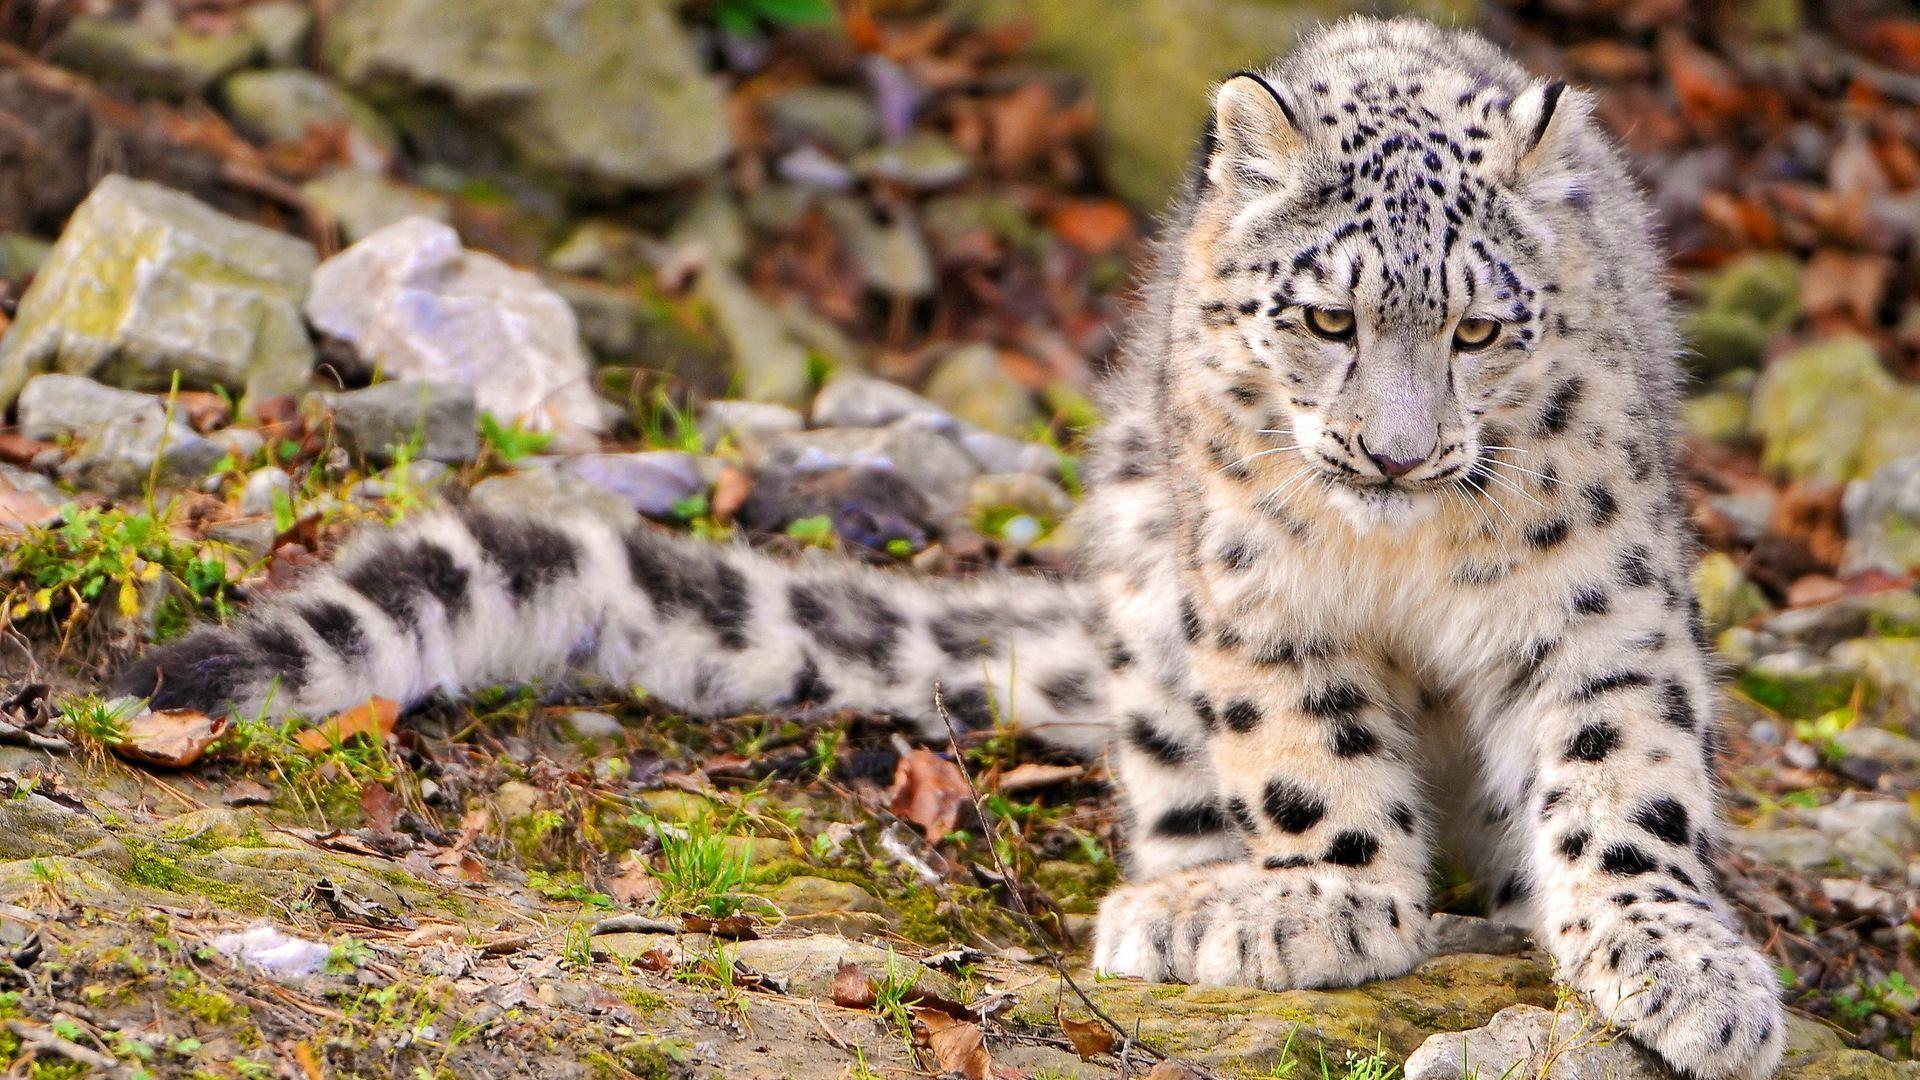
point(460, 600)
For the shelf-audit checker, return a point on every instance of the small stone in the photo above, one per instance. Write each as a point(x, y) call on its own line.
point(1448, 934)
point(746, 426)
point(152, 55)
point(1727, 597)
point(811, 167)
point(713, 226)
point(549, 493)
point(892, 256)
point(1004, 454)
point(1525, 1040)
point(411, 301)
point(516, 799)
point(1883, 519)
point(362, 203)
point(654, 482)
point(282, 28)
point(286, 105)
point(413, 477)
point(603, 249)
point(252, 536)
point(439, 419)
point(241, 444)
point(772, 365)
point(971, 384)
point(587, 724)
point(119, 457)
point(842, 120)
point(146, 285)
point(862, 401)
point(807, 965)
point(1721, 413)
point(264, 488)
point(918, 454)
point(924, 160)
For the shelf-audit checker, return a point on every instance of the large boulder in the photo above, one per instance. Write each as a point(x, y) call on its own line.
point(412, 303)
point(1150, 64)
point(1829, 412)
point(606, 93)
point(147, 283)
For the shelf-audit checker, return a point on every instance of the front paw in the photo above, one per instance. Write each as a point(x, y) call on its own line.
point(1242, 925)
point(1689, 988)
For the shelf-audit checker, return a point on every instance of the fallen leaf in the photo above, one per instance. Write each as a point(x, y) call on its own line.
point(732, 928)
point(633, 885)
point(375, 719)
point(381, 808)
point(958, 1047)
point(929, 791)
point(851, 987)
point(171, 738)
point(730, 491)
point(20, 509)
point(1033, 776)
point(1090, 1038)
point(247, 793)
point(1095, 226)
point(656, 961)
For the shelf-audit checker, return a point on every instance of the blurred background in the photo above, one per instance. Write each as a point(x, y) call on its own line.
point(845, 274)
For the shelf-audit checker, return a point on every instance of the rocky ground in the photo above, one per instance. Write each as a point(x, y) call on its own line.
point(271, 272)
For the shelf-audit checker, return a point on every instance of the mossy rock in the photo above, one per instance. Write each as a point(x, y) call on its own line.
point(1803, 695)
point(1847, 1065)
point(1829, 412)
point(1727, 596)
point(36, 827)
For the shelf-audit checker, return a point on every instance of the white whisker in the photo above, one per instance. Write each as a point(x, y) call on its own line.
point(1521, 469)
point(1516, 488)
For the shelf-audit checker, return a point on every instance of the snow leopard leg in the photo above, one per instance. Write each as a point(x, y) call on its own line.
point(1619, 825)
point(1314, 765)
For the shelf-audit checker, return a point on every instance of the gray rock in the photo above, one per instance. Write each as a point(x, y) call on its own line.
point(971, 385)
point(32, 483)
point(1451, 934)
point(285, 105)
point(147, 283)
point(549, 493)
point(241, 444)
point(610, 94)
point(1004, 454)
point(362, 203)
point(714, 227)
point(892, 255)
point(154, 55)
point(587, 724)
point(924, 160)
point(1526, 1040)
point(1033, 495)
point(410, 299)
point(262, 488)
point(748, 426)
point(1880, 745)
point(1883, 518)
point(282, 28)
point(807, 965)
point(843, 120)
point(412, 478)
point(606, 250)
point(69, 406)
point(441, 417)
point(1727, 597)
point(772, 363)
point(652, 482)
point(924, 458)
point(810, 167)
point(862, 401)
point(254, 537)
point(119, 458)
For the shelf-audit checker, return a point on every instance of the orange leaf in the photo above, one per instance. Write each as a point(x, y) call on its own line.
point(1090, 1038)
point(851, 987)
point(375, 720)
point(1095, 226)
point(171, 738)
point(929, 791)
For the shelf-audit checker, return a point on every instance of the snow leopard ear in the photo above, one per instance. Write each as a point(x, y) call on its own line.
point(1252, 134)
point(1544, 118)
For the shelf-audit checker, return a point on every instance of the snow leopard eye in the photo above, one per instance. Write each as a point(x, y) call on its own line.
point(1472, 335)
point(1334, 324)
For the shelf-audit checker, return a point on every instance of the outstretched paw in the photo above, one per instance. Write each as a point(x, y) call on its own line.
point(1688, 987)
point(1242, 925)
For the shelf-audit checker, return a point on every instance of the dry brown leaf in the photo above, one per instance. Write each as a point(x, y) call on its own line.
point(958, 1047)
point(381, 808)
point(851, 987)
point(20, 509)
point(375, 719)
point(1033, 776)
point(1095, 226)
point(171, 738)
point(929, 791)
point(730, 491)
point(1090, 1038)
point(633, 885)
point(247, 793)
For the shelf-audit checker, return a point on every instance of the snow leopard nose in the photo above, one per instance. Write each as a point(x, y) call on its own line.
point(1387, 463)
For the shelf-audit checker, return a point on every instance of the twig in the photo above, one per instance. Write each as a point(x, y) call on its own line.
point(1013, 886)
point(43, 1038)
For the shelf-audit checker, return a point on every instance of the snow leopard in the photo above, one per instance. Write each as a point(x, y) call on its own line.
point(1383, 553)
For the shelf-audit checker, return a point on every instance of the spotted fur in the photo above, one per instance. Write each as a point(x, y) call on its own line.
point(1344, 598)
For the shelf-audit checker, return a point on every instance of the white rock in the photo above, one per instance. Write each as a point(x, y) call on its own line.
point(267, 948)
point(1526, 1040)
point(410, 301)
